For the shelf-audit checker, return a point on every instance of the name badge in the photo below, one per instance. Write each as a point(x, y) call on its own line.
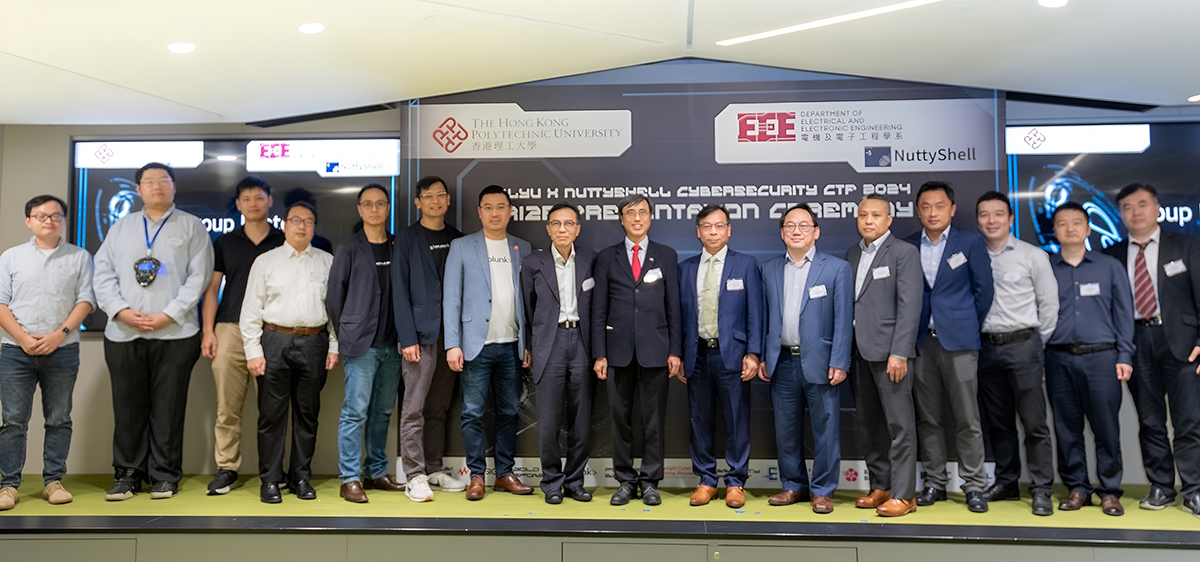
point(957, 260)
point(734, 285)
point(652, 275)
point(588, 284)
point(1012, 276)
point(1089, 290)
point(817, 292)
point(881, 272)
point(1175, 268)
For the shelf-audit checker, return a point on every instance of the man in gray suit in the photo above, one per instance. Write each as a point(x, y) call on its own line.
point(887, 309)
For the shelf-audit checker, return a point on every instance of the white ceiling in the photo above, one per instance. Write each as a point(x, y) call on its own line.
point(89, 62)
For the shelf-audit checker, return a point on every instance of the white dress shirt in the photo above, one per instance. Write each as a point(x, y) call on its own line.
point(641, 252)
point(868, 257)
point(564, 273)
point(1155, 241)
point(1026, 290)
point(795, 278)
point(286, 288)
point(718, 270)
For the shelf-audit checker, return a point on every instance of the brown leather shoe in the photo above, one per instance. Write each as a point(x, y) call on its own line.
point(1075, 501)
point(384, 483)
point(512, 484)
point(822, 504)
point(873, 499)
point(735, 496)
point(1111, 505)
point(476, 490)
point(353, 492)
point(786, 497)
point(895, 507)
point(703, 495)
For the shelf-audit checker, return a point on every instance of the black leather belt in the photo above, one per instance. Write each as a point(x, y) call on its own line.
point(711, 343)
point(1082, 348)
point(1008, 337)
point(569, 324)
point(1151, 322)
point(790, 349)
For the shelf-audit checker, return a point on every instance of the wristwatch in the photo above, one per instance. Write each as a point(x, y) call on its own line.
point(66, 330)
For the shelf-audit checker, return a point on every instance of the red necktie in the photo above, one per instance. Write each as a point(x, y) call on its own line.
point(1143, 289)
point(637, 264)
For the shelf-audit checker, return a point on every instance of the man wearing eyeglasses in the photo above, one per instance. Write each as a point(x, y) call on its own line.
point(45, 293)
point(810, 328)
point(485, 337)
point(636, 331)
point(150, 273)
point(418, 266)
point(290, 346)
point(557, 287)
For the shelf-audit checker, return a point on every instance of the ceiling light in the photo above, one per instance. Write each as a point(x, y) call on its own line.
point(227, 158)
point(182, 48)
point(1195, 98)
point(433, 19)
point(1052, 3)
point(312, 28)
point(829, 21)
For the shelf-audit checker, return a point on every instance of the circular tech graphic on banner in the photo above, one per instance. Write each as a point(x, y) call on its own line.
point(1054, 185)
point(114, 202)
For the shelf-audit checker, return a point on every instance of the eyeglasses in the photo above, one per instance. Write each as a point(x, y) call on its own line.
point(42, 217)
point(803, 227)
point(713, 226)
point(635, 213)
point(163, 182)
point(498, 208)
point(434, 196)
point(555, 225)
point(298, 222)
point(368, 205)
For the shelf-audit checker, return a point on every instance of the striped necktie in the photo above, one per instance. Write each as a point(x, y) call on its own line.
point(1143, 290)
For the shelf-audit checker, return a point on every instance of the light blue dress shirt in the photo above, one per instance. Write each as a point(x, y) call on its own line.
point(41, 290)
point(794, 279)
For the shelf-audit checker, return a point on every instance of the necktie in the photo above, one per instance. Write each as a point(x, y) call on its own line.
point(637, 264)
point(1143, 289)
point(708, 298)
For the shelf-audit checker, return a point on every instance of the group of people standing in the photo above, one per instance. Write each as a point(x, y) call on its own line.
point(987, 325)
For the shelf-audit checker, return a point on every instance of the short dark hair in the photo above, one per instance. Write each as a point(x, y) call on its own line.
point(426, 183)
point(374, 186)
point(994, 196)
point(299, 194)
point(561, 206)
point(633, 199)
point(1134, 188)
point(1068, 206)
point(811, 214)
point(936, 186)
point(137, 176)
point(877, 197)
point(42, 200)
point(710, 209)
point(303, 205)
point(493, 190)
point(252, 181)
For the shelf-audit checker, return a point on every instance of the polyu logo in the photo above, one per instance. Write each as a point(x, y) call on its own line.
point(450, 135)
point(851, 475)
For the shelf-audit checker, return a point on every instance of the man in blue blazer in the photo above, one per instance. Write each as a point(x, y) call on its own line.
point(810, 330)
point(958, 295)
point(722, 313)
point(485, 335)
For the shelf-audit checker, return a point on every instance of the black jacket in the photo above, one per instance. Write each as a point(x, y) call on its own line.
point(417, 287)
point(1178, 295)
point(636, 317)
point(352, 298)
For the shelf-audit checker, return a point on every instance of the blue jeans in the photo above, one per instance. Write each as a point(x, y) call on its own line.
point(494, 367)
point(20, 375)
point(372, 383)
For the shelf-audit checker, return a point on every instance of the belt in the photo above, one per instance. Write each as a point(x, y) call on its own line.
point(296, 332)
point(711, 343)
point(1151, 322)
point(569, 324)
point(792, 349)
point(1008, 337)
point(1082, 348)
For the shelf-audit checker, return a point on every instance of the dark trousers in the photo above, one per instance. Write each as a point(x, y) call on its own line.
point(791, 393)
point(1010, 385)
point(564, 398)
point(295, 376)
point(887, 426)
point(494, 369)
point(1086, 386)
point(20, 375)
point(149, 389)
point(712, 387)
point(1158, 374)
point(941, 374)
point(648, 386)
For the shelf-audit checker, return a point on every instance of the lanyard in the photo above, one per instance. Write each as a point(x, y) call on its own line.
point(146, 228)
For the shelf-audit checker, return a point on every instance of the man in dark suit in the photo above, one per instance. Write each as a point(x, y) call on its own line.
point(887, 309)
point(958, 295)
point(1164, 273)
point(722, 313)
point(810, 330)
point(557, 286)
point(635, 329)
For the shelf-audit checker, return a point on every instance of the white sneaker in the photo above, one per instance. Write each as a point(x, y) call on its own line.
point(446, 482)
point(417, 489)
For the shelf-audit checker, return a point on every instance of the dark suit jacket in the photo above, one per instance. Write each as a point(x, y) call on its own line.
point(417, 287)
point(631, 315)
point(826, 323)
point(740, 322)
point(1179, 295)
point(960, 297)
point(539, 285)
point(888, 311)
point(352, 298)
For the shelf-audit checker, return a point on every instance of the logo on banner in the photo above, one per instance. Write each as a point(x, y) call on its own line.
point(851, 475)
point(104, 153)
point(1034, 139)
point(878, 156)
point(776, 126)
point(450, 135)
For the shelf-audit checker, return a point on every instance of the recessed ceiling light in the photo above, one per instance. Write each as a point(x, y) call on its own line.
point(312, 28)
point(829, 21)
point(227, 158)
point(433, 19)
point(1195, 98)
point(182, 48)
point(1052, 3)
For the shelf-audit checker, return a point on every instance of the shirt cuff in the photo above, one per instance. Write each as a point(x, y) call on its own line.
point(333, 346)
point(253, 350)
point(176, 313)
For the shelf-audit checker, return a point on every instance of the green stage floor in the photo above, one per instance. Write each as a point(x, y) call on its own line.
point(243, 502)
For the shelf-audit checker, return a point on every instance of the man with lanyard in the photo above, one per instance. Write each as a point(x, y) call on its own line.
point(150, 273)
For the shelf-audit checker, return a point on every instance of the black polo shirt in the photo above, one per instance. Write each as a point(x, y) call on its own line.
point(233, 254)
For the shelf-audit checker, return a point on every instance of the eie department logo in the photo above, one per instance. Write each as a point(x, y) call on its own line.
point(851, 475)
point(767, 127)
point(450, 135)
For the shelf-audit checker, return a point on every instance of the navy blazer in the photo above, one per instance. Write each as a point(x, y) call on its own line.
point(826, 323)
point(740, 322)
point(539, 286)
point(417, 287)
point(467, 302)
point(960, 297)
point(634, 317)
point(352, 298)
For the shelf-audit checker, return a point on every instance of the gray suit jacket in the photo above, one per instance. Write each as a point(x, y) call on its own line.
point(888, 309)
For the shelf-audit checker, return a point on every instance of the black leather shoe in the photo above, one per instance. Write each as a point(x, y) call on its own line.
point(626, 492)
point(650, 495)
point(303, 490)
point(1158, 499)
point(579, 494)
point(976, 503)
point(270, 493)
point(1002, 492)
point(931, 495)
point(555, 497)
point(1042, 504)
point(1191, 504)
